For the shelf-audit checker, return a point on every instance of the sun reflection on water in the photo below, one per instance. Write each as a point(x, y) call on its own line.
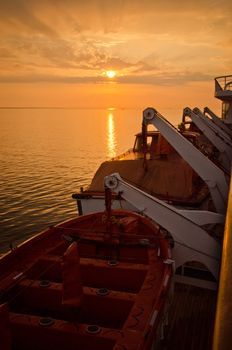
point(111, 141)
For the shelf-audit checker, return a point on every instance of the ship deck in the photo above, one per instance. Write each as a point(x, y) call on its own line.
point(191, 319)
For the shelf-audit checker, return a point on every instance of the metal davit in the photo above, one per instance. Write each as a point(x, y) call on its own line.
point(223, 321)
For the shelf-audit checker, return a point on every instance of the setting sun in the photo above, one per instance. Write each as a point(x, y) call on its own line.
point(110, 74)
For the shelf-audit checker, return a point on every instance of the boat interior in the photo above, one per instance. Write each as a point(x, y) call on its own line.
point(75, 286)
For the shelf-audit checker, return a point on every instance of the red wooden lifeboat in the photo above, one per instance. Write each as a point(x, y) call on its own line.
point(98, 282)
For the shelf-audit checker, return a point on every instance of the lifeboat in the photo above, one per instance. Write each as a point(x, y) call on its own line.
point(100, 281)
point(153, 166)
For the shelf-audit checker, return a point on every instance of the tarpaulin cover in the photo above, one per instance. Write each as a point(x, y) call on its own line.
point(173, 178)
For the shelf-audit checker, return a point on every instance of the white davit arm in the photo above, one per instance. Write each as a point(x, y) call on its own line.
point(210, 124)
point(217, 137)
point(218, 121)
point(207, 170)
point(192, 243)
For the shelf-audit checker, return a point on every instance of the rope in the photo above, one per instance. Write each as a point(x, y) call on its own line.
point(141, 236)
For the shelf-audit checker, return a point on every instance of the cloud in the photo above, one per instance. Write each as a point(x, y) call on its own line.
point(146, 42)
point(19, 14)
point(178, 78)
point(52, 18)
point(6, 54)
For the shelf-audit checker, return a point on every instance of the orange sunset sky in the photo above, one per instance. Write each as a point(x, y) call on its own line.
point(56, 53)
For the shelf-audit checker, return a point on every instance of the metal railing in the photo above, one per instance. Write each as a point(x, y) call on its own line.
point(224, 82)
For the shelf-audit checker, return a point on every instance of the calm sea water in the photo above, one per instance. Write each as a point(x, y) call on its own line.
point(48, 154)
